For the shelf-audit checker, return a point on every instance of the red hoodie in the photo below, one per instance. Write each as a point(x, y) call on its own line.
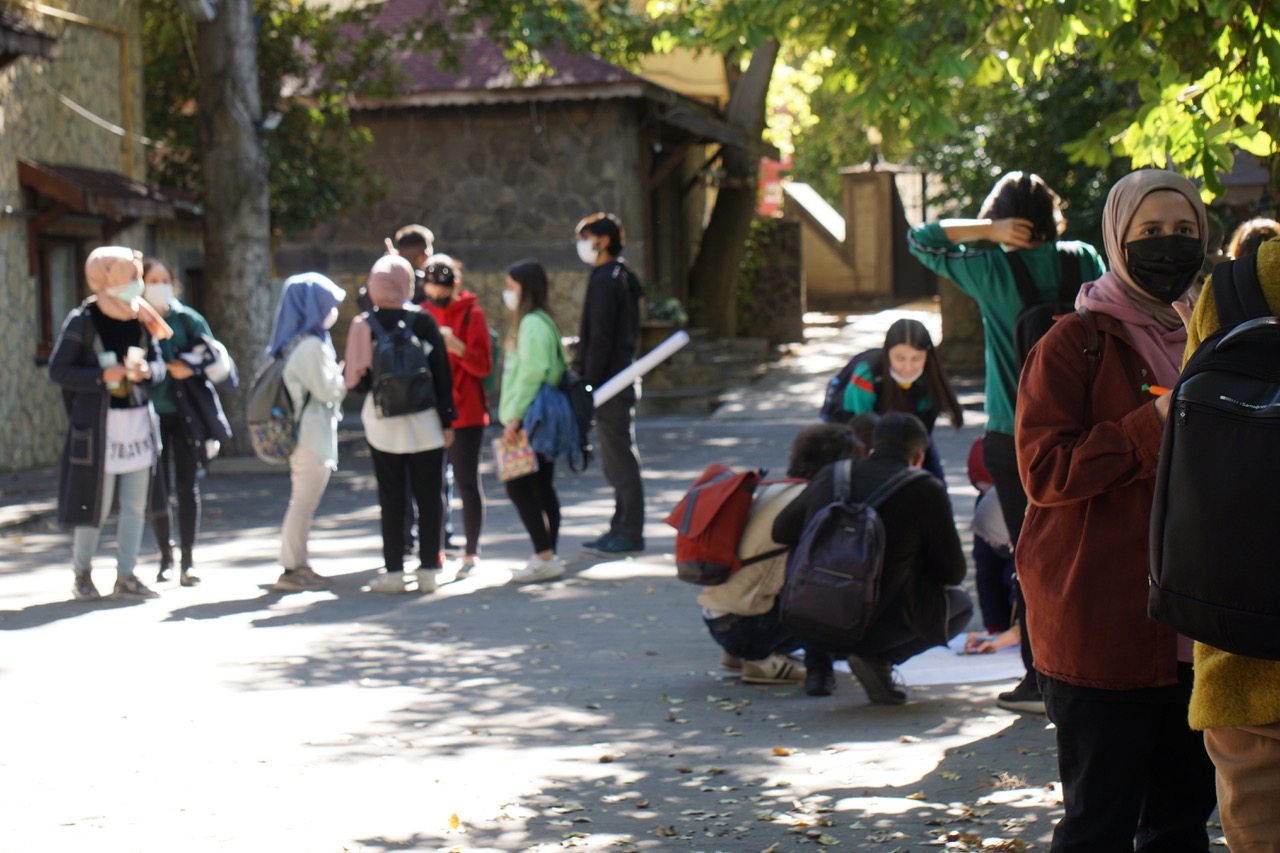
point(467, 321)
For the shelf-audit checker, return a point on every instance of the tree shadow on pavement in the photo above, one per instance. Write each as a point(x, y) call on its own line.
point(38, 615)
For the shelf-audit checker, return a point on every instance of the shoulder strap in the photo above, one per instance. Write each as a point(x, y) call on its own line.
point(379, 331)
point(891, 485)
point(1022, 278)
point(1069, 259)
point(1237, 293)
point(841, 480)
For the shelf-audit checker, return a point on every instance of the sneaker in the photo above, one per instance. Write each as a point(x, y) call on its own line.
point(729, 662)
point(775, 669)
point(427, 578)
point(594, 543)
point(84, 590)
point(129, 587)
point(165, 574)
point(616, 546)
point(466, 567)
point(1024, 698)
point(820, 681)
point(539, 569)
point(299, 580)
point(876, 677)
point(188, 579)
point(390, 583)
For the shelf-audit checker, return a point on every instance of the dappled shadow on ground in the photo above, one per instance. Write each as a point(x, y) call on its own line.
point(567, 715)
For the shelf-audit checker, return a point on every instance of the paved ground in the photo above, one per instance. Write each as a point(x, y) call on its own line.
point(585, 714)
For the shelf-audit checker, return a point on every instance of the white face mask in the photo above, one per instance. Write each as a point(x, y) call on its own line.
point(511, 299)
point(332, 318)
point(905, 380)
point(586, 253)
point(158, 294)
point(127, 293)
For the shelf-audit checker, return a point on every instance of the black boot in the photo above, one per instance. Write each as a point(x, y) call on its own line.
point(819, 679)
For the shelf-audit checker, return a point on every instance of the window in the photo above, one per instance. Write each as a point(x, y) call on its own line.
point(60, 288)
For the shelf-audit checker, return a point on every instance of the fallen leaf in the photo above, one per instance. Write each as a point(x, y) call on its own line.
point(910, 739)
point(827, 840)
point(918, 795)
point(665, 831)
point(949, 774)
point(454, 821)
point(781, 750)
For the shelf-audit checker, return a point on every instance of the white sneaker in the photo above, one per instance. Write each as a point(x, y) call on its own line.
point(389, 582)
point(427, 580)
point(775, 669)
point(538, 569)
point(466, 567)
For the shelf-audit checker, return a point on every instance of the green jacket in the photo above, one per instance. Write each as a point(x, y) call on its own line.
point(985, 275)
point(187, 325)
point(538, 357)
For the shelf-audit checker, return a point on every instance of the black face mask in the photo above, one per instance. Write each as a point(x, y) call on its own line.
point(441, 302)
point(1164, 267)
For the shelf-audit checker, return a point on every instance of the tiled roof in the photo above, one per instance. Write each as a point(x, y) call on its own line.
point(482, 67)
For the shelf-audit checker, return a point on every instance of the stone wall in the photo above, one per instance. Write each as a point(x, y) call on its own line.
point(34, 124)
point(496, 184)
point(776, 296)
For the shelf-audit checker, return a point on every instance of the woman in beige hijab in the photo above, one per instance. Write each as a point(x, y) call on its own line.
point(106, 359)
point(1115, 683)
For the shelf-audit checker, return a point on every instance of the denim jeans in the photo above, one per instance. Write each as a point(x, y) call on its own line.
point(133, 515)
point(752, 637)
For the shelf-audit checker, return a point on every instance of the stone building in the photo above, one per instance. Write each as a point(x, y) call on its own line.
point(501, 169)
point(72, 178)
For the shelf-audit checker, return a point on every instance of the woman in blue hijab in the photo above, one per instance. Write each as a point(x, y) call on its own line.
point(308, 309)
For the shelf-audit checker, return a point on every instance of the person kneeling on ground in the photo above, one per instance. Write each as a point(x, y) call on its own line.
point(920, 605)
point(742, 612)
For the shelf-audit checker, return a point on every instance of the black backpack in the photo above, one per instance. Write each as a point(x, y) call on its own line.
point(833, 574)
point(1213, 550)
point(402, 380)
point(833, 410)
point(1037, 313)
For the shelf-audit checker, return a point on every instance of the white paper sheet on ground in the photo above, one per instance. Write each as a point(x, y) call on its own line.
point(944, 665)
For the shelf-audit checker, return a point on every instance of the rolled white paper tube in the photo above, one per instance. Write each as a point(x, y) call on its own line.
point(640, 367)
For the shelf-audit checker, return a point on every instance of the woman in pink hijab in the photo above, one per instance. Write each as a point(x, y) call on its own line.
point(106, 360)
point(407, 447)
point(1116, 684)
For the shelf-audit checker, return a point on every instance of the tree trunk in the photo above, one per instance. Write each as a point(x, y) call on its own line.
point(237, 219)
point(714, 277)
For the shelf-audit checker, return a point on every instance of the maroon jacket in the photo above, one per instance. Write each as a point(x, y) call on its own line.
point(1087, 457)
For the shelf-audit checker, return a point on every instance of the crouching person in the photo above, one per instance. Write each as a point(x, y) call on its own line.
point(742, 612)
point(920, 605)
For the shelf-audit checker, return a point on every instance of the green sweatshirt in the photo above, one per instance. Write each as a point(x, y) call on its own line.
point(187, 324)
point(538, 357)
point(985, 275)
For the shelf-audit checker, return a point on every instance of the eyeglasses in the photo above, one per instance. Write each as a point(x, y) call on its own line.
point(440, 274)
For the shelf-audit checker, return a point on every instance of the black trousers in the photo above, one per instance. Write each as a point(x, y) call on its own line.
point(1000, 455)
point(890, 639)
point(464, 458)
point(400, 475)
point(620, 463)
point(179, 467)
point(1134, 776)
point(535, 499)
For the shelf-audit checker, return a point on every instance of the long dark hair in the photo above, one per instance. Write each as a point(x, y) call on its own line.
point(915, 335)
point(1026, 196)
point(534, 292)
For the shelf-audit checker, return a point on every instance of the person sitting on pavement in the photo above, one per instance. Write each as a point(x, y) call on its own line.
point(920, 605)
point(407, 449)
point(313, 378)
point(904, 375)
point(742, 612)
point(106, 360)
